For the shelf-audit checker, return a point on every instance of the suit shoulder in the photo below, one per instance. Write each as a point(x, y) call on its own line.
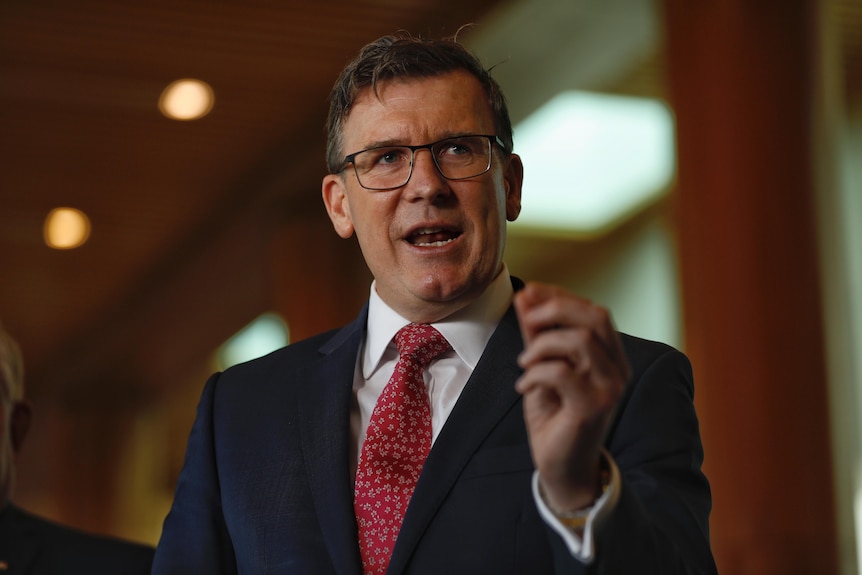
point(641, 353)
point(65, 549)
point(300, 351)
point(283, 364)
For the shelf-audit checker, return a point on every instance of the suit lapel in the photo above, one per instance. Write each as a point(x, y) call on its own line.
point(325, 416)
point(486, 399)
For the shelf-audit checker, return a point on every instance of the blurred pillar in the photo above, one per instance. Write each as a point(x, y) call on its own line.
point(71, 464)
point(319, 280)
point(742, 78)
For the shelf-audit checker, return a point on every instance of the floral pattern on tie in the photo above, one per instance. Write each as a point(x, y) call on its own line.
point(396, 444)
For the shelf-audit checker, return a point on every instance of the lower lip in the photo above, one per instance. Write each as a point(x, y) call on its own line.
point(435, 244)
point(435, 248)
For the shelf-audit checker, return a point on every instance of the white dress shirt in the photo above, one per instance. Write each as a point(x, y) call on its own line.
point(468, 331)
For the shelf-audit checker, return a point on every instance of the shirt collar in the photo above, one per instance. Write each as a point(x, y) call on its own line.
point(467, 330)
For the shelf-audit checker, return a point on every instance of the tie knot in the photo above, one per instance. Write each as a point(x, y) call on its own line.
point(420, 343)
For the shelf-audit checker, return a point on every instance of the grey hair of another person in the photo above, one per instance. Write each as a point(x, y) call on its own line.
point(11, 370)
point(14, 412)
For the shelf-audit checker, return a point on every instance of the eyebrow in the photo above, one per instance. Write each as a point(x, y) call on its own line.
point(396, 142)
point(392, 142)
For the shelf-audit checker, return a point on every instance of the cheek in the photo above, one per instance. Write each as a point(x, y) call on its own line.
point(372, 222)
point(496, 210)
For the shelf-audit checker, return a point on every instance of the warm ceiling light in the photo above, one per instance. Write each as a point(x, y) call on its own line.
point(66, 228)
point(186, 100)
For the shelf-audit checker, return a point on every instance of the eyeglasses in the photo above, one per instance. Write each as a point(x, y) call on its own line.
point(390, 167)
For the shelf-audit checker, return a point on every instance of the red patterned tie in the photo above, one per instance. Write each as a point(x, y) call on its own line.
point(396, 444)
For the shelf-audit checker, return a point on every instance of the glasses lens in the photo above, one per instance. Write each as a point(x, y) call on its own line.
point(465, 157)
point(382, 168)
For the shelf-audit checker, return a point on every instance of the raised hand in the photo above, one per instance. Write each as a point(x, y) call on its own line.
point(575, 373)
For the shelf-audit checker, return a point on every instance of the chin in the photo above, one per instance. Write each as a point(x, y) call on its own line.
point(455, 294)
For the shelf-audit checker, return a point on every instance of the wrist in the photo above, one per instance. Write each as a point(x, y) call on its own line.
point(576, 518)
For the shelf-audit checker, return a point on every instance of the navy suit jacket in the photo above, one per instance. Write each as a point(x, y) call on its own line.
point(31, 545)
point(266, 485)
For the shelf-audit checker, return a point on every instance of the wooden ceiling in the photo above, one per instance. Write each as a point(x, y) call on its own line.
point(79, 85)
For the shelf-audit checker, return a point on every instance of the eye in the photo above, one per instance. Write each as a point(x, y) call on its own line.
point(461, 151)
point(377, 159)
point(388, 156)
point(457, 148)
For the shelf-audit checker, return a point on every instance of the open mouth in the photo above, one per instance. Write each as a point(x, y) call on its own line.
point(432, 237)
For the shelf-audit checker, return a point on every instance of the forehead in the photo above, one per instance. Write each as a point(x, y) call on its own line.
point(417, 111)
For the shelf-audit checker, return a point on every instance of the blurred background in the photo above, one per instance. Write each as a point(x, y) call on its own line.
point(695, 166)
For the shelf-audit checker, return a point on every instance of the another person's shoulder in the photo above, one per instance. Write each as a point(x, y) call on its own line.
point(49, 547)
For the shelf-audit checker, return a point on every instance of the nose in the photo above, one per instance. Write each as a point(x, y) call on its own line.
point(425, 179)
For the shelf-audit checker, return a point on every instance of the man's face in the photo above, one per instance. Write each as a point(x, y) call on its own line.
point(426, 278)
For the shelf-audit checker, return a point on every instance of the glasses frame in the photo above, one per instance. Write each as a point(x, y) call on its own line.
point(492, 138)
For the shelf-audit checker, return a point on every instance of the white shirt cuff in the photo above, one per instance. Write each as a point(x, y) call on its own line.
point(582, 549)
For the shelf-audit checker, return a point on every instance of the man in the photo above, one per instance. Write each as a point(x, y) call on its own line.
point(555, 443)
point(30, 544)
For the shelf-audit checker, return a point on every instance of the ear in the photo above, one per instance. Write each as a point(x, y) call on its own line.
point(334, 193)
point(513, 178)
point(20, 424)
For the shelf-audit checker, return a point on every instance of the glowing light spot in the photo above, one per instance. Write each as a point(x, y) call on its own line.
point(186, 99)
point(265, 334)
point(66, 228)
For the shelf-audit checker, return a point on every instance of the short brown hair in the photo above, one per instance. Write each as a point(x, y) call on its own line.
point(402, 55)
